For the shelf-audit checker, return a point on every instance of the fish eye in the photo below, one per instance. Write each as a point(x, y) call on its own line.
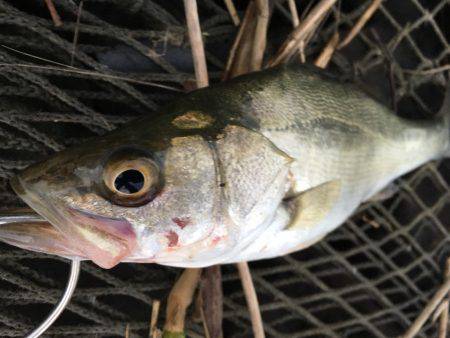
point(130, 180)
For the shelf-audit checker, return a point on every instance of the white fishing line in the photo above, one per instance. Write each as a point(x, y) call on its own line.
point(59, 308)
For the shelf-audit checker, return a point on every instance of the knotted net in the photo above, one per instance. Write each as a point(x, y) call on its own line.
point(369, 278)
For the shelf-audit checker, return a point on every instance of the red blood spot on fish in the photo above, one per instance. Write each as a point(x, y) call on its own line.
point(216, 240)
point(181, 222)
point(172, 236)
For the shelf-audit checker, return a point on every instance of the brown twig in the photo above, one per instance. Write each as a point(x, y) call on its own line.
point(439, 310)
point(234, 48)
point(154, 332)
point(204, 321)
point(76, 33)
point(443, 317)
point(195, 37)
point(239, 56)
point(236, 65)
point(233, 13)
point(443, 320)
point(127, 331)
point(211, 301)
point(53, 13)
point(360, 23)
point(294, 13)
point(301, 48)
point(69, 69)
point(180, 296)
point(211, 288)
point(259, 41)
point(295, 23)
point(308, 25)
point(372, 222)
point(428, 310)
point(252, 300)
point(325, 56)
point(442, 313)
point(179, 299)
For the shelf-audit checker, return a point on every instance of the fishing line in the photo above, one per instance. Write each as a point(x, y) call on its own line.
point(20, 216)
point(59, 308)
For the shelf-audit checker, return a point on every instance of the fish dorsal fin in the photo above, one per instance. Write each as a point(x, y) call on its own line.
point(311, 206)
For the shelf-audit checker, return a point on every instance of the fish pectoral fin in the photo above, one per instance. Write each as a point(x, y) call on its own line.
point(388, 192)
point(311, 206)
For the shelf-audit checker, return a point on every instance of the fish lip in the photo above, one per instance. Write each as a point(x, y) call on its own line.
point(63, 217)
point(23, 235)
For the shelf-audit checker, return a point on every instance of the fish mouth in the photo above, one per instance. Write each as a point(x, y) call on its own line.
point(38, 236)
point(106, 241)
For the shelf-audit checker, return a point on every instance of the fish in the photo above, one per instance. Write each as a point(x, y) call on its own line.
point(257, 167)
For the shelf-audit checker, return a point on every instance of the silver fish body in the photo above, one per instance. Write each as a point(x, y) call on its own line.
point(258, 167)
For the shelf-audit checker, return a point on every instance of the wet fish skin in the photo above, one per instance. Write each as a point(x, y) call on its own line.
point(334, 131)
point(236, 160)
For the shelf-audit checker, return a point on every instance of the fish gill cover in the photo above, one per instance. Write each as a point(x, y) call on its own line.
point(369, 278)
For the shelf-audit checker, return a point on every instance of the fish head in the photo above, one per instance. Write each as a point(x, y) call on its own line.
point(135, 194)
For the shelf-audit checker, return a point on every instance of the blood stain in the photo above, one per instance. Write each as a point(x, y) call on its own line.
point(172, 236)
point(216, 240)
point(181, 222)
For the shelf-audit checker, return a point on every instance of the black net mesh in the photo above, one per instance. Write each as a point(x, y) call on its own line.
point(369, 278)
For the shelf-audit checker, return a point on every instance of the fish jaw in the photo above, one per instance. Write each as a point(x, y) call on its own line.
point(40, 237)
point(106, 241)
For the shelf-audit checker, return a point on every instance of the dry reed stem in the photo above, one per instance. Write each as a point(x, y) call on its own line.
point(442, 313)
point(295, 23)
point(53, 13)
point(301, 48)
point(294, 13)
point(76, 33)
point(438, 311)
point(153, 332)
point(239, 51)
point(240, 54)
point(74, 70)
point(428, 310)
point(325, 56)
point(443, 320)
point(211, 301)
point(204, 322)
point(443, 317)
point(234, 47)
point(259, 41)
point(180, 296)
point(252, 300)
point(195, 37)
point(308, 25)
point(179, 299)
point(233, 13)
point(360, 23)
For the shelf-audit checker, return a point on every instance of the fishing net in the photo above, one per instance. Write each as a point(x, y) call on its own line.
point(369, 278)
